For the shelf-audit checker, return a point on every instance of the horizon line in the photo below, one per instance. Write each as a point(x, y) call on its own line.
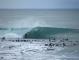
point(38, 9)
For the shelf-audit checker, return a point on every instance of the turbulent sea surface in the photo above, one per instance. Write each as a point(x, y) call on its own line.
point(36, 50)
point(27, 34)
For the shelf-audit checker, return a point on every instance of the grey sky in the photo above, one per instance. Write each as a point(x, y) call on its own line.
point(39, 4)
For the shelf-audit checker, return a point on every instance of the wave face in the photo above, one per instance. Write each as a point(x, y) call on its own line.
point(46, 32)
point(41, 32)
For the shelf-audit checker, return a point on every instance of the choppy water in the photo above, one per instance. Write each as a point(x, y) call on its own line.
point(36, 51)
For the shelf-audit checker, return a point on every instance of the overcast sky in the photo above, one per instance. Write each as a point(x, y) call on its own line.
point(39, 4)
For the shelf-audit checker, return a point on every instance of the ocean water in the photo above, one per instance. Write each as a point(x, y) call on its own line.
point(38, 25)
point(36, 51)
point(23, 18)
